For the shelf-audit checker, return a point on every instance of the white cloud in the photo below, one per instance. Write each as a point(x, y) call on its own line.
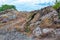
point(30, 2)
point(42, 1)
point(25, 2)
point(3, 2)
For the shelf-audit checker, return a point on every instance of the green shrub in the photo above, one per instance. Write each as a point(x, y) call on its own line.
point(57, 5)
point(5, 7)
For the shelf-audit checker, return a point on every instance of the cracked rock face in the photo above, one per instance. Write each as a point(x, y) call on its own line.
point(33, 22)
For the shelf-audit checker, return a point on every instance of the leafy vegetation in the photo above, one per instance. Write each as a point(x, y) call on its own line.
point(57, 6)
point(5, 7)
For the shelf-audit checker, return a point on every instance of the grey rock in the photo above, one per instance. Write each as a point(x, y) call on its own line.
point(12, 35)
point(16, 36)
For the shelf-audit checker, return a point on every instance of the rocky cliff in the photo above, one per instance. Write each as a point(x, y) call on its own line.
point(36, 24)
point(40, 23)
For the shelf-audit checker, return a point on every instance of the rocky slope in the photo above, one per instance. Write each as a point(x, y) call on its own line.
point(35, 25)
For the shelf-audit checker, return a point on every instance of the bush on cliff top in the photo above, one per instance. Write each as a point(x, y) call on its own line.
point(5, 7)
point(57, 5)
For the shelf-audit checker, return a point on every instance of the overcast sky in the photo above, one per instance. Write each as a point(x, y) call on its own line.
point(28, 5)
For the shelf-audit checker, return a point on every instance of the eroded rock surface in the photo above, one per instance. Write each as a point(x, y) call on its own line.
point(36, 23)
